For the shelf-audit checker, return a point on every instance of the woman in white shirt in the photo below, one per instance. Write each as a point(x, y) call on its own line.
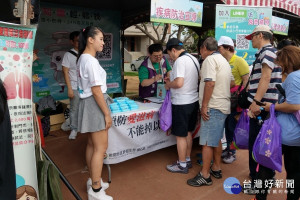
point(93, 113)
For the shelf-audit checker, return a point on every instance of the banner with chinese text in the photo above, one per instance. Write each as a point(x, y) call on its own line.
point(52, 41)
point(280, 26)
point(238, 21)
point(16, 54)
point(182, 12)
point(136, 133)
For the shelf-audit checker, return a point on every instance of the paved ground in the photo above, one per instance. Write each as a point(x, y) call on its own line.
point(145, 177)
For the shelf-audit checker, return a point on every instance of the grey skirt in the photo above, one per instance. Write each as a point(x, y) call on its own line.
point(90, 116)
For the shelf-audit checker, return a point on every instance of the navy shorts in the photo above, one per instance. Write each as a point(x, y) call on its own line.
point(184, 118)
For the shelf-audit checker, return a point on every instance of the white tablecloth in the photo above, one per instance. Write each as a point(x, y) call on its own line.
point(136, 133)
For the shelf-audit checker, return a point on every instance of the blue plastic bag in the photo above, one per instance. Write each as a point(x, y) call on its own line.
point(165, 113)
point(267, 150)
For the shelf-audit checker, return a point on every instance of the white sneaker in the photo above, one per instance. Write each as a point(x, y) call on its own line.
point(229, 159)
point(101, 195)
point(73, 135)
point(104, 185)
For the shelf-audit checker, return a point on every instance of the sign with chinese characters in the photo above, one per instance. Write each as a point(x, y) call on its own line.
point(280, 26)
point(16, 54)
point(183, 12)
point(276, 186)
point(55, 25)
point(136, 133)
point(238, 21)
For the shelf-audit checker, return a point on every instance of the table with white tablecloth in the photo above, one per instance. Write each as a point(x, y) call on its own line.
point(135, 133)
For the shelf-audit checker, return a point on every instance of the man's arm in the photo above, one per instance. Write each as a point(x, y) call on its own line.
point(245, 79)
point(208, 90)
point(68, 82)
point(263, 85)
point(175, 84)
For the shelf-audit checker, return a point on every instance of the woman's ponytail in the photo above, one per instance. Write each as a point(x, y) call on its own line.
point(85, 33)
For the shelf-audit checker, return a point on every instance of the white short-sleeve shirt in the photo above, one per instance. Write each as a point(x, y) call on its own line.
point(216, 68)
point(90, 74)
point(69, 61)
point(185, 67)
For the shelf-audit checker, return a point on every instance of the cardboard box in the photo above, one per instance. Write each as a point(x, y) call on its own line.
point(57, 120)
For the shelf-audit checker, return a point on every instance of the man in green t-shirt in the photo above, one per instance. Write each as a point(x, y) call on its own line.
point(152, 70)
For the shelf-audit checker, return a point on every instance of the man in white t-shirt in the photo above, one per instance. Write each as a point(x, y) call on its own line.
point(214, 100)
point(183, 83)
point(70, 74)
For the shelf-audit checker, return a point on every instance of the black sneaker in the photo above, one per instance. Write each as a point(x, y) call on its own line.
point(189, 164)
point(216, 174)
point(199, 180)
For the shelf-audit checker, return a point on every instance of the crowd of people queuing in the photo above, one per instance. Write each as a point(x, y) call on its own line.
point(197, 87)
point(222, 72)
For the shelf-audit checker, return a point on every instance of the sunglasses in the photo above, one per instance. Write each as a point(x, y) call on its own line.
point(255, 34)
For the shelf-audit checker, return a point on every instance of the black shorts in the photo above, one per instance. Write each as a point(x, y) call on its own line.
point(184, 118)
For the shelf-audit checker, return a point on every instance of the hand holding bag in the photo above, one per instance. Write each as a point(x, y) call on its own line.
point(267, 150)
point(241, 132)
point(165, 113)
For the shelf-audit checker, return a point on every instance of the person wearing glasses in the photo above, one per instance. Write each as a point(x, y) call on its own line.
point(152, 70)
point(262, 87)
point(240, 72)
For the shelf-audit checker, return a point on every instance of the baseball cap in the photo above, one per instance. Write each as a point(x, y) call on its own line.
point(224, 40)
point(172, 42)
point(259, 28)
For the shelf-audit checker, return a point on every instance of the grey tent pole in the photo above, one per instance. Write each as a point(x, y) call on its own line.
point(109, 173)
point(62, 177)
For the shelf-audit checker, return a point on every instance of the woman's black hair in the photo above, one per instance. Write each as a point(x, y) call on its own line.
point(155, 48)
point(228, 47)
point(3, 101)
point(73, 35)
point(85, 33)
point(284, 43)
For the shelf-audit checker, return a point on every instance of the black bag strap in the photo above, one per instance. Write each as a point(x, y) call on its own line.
point(245, 88)
point(281, 90)
point(196, 68)
point(239, 89)
point(194, 63)
point(73, 53)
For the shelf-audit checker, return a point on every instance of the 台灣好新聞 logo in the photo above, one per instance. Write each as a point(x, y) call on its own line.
point(232, 185)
